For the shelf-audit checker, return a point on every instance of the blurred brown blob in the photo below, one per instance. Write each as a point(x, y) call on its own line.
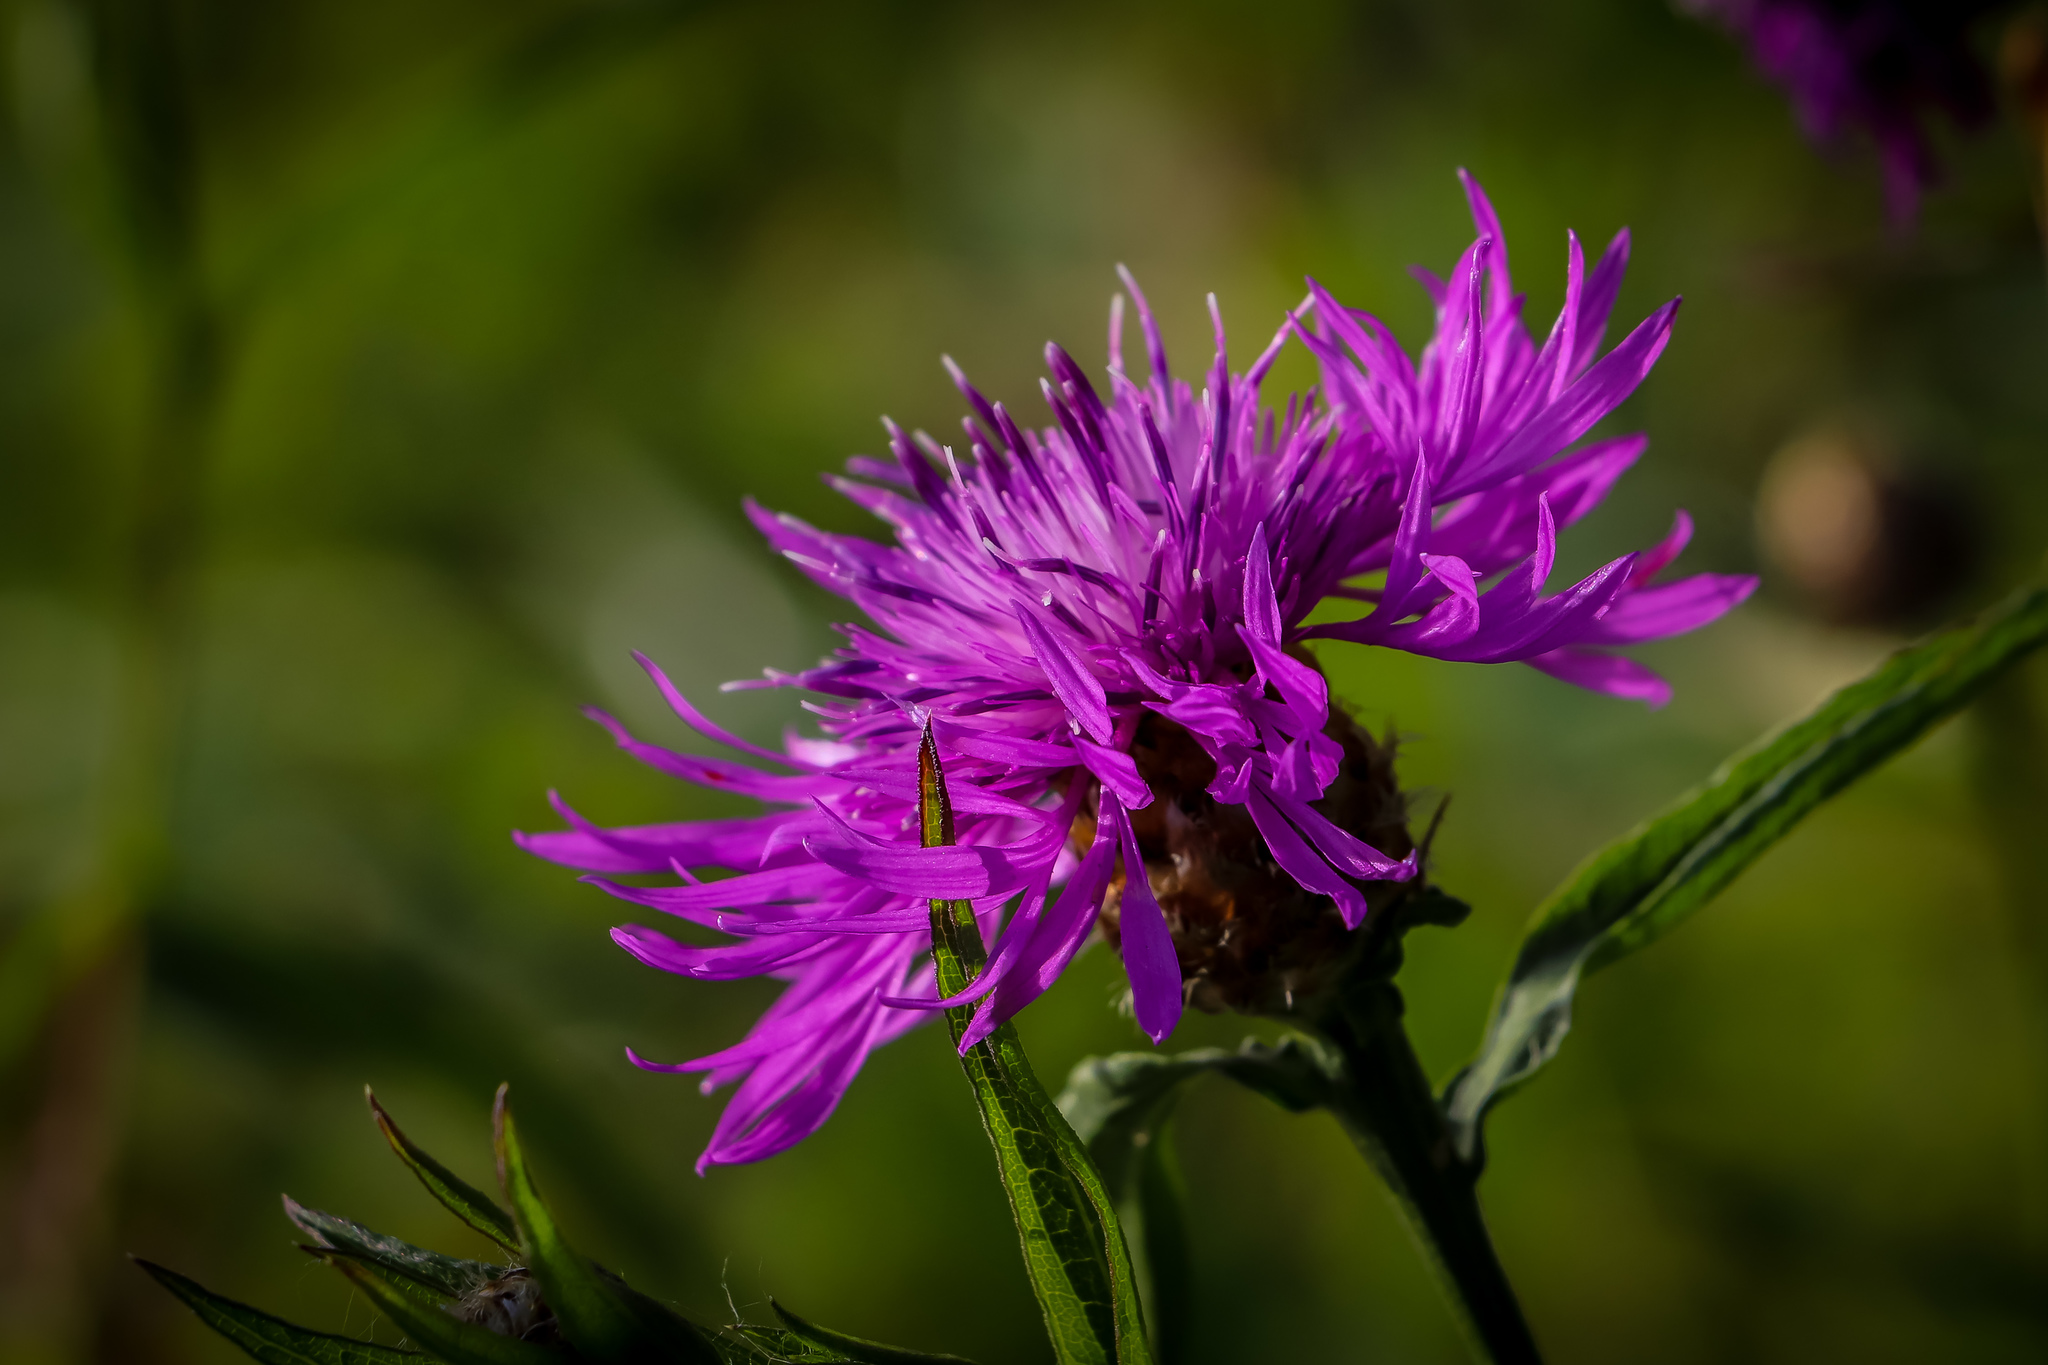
point(1866, 539)
point(2023, 68)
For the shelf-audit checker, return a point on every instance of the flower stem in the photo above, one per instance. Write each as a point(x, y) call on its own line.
point(1388, 1109)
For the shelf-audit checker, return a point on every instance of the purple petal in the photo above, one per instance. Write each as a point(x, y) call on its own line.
point(1450, 622)
point(1487, 224)
point(1602, 288)
point(722, 962)
point(1058, 935)
point(1345, 850)
point(1598, 392)
point(1261, 608)
point(1609, 673)
point(1077, 688)
point(653, 848)
point(1149, 959)
point(696, 719)
point(1305, 690)
point(955, 872)
point(1211, 713)
point(1670, 609)
point(717, 774)
point(1567, 329)
point(1009, 750)
point(704, 904)
point(1652, 561)
point(968, 798)
point(1118, 773)
point(1300, 862)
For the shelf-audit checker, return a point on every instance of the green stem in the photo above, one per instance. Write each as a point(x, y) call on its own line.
point(2011, 787)
point(1388, 1109)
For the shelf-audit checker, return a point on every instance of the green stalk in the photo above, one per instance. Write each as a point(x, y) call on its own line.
point(1386, 1106)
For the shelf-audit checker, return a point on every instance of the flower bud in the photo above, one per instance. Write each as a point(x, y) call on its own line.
point(1249, 938)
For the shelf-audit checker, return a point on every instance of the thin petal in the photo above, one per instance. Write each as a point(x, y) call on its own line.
point(1149, 959)
point(1077, 688)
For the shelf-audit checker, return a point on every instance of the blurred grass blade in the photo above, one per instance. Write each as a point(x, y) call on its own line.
point(839, 1346)
point(446, 1276)
point(462, 1199)
point(1633, 891)
point(1121, 1106)
point(271, 1340)
point(604, 1319)
point(444, 1336)
point(1073, 1246)
point(1166, 1269)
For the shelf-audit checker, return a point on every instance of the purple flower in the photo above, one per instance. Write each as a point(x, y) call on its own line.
point(1114, 607)
point(1880, 65)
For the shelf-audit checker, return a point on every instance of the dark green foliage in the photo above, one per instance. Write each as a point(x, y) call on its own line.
point(446, 1276)
point(853, 1348)
point(582, 1313)
point(462, 1199)
point(800, 1342)
point(607, 1322)
point(1112, 1100)
point(445, 1337)
point(1122, 1106)
point(271, 1340)
point(1364, 1072)
point(1634, 891)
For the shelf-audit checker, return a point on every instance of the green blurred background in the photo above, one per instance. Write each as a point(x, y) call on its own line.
point(374, 376)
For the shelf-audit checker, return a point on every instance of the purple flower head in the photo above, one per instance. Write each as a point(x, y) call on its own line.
point(1883, 66)
point(1103, 622)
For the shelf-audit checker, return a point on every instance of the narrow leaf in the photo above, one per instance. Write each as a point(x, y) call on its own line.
point(272, 1340)
point(1111, 1101)
point(603, 1318)
point(1121, 1106)
point(444, 1336)
point(1639, 888)
point(462, 1199)
point(447, 1276)
point(1074, 1250)
point(855, 1348)
point(746, 1344)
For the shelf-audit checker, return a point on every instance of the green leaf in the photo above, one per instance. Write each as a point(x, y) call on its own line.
point(1073, 1246)
point(1113, 1101)
point(746, 1344)
point(854, 1349)
point(749, 1344)
point(600, 1315)
point(271, 1340)
point(1635, 890)
point(1121, 1106)
point(462, 1199)
point(446, 1337)
point(446, 1276)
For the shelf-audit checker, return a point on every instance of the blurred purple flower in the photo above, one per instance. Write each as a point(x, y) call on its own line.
point(1152, 558)
point(1883, 66)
